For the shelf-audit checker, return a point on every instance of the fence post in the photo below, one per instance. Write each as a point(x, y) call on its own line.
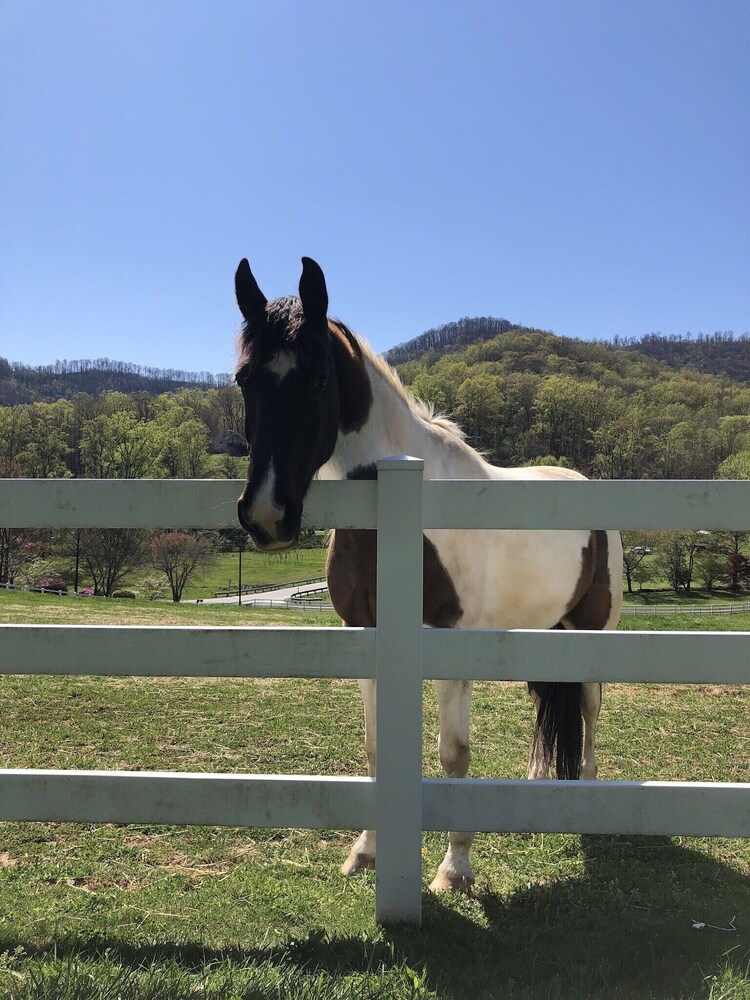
point(399, 671)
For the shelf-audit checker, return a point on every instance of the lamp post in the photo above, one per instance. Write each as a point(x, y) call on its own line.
point(241, 543)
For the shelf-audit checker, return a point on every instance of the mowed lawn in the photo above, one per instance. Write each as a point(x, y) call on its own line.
point(168, 912)
point(258, 569)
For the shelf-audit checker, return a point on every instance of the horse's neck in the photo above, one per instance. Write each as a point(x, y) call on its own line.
point(393, 428)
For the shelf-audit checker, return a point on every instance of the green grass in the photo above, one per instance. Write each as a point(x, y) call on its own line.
point(19, 607)
point(649, 598)
point(173, 912)
point(257, 568)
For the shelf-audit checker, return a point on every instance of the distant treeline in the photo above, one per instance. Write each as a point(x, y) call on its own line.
point(21, 383)
point(715, 354)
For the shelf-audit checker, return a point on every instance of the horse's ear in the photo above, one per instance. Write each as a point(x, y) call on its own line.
point(312, 291)
point(250, 299)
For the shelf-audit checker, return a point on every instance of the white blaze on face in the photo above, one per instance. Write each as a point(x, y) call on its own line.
point(264, 510)
point(281, 364)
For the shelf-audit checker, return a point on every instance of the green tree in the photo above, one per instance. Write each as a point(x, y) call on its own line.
point(636, 547)
point(15, 428)
point(45, 454)
point(568, 413)
point(119, 447)
point(185, 453)
point(735, 467)
point(710, 567)
point(671, 562)
point(479, 407)
point(428, 387)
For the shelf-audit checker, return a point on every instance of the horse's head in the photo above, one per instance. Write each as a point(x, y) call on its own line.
point(298, 377)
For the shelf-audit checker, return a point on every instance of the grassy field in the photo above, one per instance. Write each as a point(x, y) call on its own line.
point(257, 568)
point(697, 598)
point(167, 912)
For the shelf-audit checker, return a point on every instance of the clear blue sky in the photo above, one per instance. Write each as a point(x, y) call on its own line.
point(580, 166)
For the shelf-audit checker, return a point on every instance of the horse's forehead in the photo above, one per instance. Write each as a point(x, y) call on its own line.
point(282, 363)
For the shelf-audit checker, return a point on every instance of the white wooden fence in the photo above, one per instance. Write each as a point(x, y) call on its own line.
point(399, 803)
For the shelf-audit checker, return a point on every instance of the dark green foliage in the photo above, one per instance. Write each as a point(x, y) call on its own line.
point(619, 410)
point(45, 383)
point(528, 397)
point(448, 337)
point(719, 353)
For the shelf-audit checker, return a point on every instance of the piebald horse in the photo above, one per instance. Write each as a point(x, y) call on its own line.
point(319, 402)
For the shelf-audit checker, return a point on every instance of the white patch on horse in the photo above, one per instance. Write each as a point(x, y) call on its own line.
point(282, 363)
point(265, 511)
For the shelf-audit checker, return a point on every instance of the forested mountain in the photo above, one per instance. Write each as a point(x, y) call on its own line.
point(450, 336)
point(639, 409)
point(716, 354)
point(609, 410)
point(47, 383)
point(523, 396)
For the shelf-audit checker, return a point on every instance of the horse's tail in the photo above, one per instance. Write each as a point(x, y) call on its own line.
point(558, 729)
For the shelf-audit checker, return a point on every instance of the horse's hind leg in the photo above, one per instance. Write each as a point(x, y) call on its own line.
point(362, 854)
point(454, 700)
point(591, 705)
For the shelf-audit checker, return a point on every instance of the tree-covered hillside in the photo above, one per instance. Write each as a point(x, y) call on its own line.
point(719, 353)
point(122, 436)
point(47, 383)
point(525, 396)
point(449, 337)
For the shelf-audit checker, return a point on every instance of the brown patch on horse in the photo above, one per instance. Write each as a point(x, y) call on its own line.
point(590, 606)
point(351, 569)
point(355, 392)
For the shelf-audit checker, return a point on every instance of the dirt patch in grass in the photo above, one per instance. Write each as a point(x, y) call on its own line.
point(665, 692)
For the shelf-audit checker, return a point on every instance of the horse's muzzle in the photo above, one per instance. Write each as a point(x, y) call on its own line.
point(273, 534)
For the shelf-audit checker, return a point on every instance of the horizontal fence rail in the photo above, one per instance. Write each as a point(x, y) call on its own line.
point(196, 799)
point(187, 651)
point(449, 654)
point(211, 503)
point(664, 808)
point(399, 803)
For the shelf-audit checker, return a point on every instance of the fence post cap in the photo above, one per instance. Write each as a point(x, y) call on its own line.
point(399, 463)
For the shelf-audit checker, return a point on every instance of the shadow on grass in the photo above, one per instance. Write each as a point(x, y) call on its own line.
point(650, 598)
point(623, 929)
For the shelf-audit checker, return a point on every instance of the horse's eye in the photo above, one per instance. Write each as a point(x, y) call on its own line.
point(321, 382)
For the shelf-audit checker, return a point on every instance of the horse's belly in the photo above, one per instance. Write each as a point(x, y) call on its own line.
point(512, 579)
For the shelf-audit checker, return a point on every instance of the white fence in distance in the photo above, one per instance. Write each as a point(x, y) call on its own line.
point(399, 803)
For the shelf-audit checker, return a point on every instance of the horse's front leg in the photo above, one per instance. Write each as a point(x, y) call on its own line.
point(454, 700)
point(362, 854)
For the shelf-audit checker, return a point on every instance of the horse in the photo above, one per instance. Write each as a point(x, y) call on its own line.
point(320, 403)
